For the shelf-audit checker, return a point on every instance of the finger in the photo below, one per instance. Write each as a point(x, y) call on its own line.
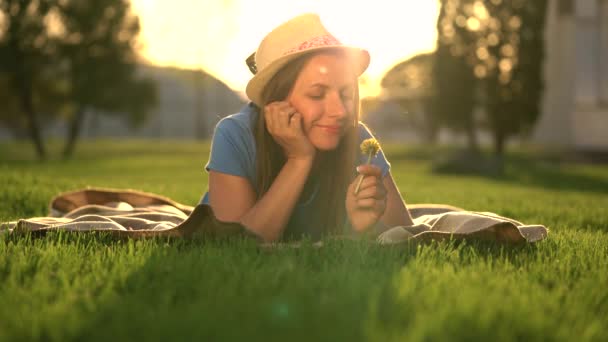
point(296, 122)
point(368, 182)
point(283, 115)
point(368, 203)
point(278, 105)
point(278, 120)
point(375, 192)
point(369, 170)
point(269, 114)
point(272, 113)
point(377, 206)
point(353, 184)
point(288, 116)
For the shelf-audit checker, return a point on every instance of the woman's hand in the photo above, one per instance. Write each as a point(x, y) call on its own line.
point(284, 123)
point(365, 208)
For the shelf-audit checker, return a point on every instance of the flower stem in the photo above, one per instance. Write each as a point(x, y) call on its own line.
point(369, 159)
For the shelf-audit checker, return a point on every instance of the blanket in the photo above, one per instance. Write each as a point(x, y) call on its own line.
point(135, 214)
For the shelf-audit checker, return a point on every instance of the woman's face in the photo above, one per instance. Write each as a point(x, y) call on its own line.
point(324, 93)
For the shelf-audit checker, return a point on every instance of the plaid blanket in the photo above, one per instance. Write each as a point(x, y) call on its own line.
point(136, 214)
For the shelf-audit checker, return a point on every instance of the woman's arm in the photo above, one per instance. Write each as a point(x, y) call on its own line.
point(378, 204)
point(233, 199)
point(396, 212)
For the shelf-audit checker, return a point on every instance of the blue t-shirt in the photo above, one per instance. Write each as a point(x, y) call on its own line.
point(233, 151)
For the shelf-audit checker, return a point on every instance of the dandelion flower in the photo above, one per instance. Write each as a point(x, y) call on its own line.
point(369, 147)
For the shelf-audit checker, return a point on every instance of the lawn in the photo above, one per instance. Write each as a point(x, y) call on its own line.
point(70, 287)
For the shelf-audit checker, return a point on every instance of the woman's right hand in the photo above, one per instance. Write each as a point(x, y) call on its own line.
point(284, 123)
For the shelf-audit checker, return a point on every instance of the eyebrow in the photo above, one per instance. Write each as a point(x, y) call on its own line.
point(324, 86)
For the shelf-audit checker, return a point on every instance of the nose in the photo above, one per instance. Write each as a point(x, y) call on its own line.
point(335, 106)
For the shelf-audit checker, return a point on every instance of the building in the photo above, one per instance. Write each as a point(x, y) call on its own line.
point(575, 104)
point(190, 103)
point(574, 107)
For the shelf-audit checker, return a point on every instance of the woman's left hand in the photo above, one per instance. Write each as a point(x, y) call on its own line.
point(365, 208)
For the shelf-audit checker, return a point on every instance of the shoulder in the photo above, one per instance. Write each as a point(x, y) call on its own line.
point(238, 123)
point(233, 145)
point(379, 159)
point(364, 132)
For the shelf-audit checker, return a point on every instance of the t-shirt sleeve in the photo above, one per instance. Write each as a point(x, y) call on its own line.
point(229, 149)
point(379, 160)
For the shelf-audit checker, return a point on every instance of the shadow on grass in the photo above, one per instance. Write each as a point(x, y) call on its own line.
point(233, 289)
point(209, 290)
point(20, 153)
point(527, 168)
point(553, 176)
point(526, 172)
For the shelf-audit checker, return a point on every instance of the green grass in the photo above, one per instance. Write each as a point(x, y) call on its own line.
point(79, 287)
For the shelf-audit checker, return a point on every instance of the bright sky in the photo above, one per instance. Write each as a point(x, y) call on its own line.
point(217, 35)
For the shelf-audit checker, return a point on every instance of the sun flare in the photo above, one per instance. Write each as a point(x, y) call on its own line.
point(218, 35)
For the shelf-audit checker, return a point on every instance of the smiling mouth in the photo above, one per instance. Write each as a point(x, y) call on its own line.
point(331, 129)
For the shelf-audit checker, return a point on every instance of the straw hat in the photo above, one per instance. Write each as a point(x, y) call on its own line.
point(300, 35)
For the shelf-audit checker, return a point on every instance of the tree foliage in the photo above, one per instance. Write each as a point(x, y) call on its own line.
point(26, 55)
point(514, 84)
point(495, 50)
point(98, 45)
point(410, 84)
point(59, 58)
point(452, 74)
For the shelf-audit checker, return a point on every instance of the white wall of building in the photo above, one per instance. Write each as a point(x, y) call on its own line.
point(574, 109)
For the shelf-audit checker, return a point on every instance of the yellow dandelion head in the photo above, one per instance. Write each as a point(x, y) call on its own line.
point(370, 146)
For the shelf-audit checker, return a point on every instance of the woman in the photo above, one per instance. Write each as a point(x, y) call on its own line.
point(284, 167)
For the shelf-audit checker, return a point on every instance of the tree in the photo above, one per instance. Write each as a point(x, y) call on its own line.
point(452, 73)
point(498, 50)
point(48, 97)
point(513, 89)
point(410, 84)
point(25, 53)
point(98, 45)
point(10, 116)
point(60, 58)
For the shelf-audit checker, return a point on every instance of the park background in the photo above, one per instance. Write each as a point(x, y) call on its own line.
point(449, 72)
point(493, 105)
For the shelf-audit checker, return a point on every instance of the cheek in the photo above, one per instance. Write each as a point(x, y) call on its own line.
point(309, 116)
point(350, 107)
point(307, 123)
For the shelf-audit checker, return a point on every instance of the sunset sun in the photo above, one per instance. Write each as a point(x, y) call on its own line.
point(217, 36)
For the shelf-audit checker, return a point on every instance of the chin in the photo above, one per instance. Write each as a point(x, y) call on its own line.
point(326, 145)
point(326, 149)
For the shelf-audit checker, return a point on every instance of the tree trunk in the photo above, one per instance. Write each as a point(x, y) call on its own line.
point(499, 143)
point(23, 83)
point(432, 134)
point(25, 94)
point(73, 133)
point(473, 144)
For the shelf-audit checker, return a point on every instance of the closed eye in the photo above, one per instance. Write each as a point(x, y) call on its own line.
point(347, 95)
point(316, 96)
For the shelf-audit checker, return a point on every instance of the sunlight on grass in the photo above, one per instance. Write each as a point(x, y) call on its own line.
point(532, 293)
point(85, 287)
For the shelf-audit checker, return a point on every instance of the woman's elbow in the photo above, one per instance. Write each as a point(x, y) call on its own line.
point(265, 235)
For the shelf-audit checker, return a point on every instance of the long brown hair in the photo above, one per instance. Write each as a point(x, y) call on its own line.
point(334, 169)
